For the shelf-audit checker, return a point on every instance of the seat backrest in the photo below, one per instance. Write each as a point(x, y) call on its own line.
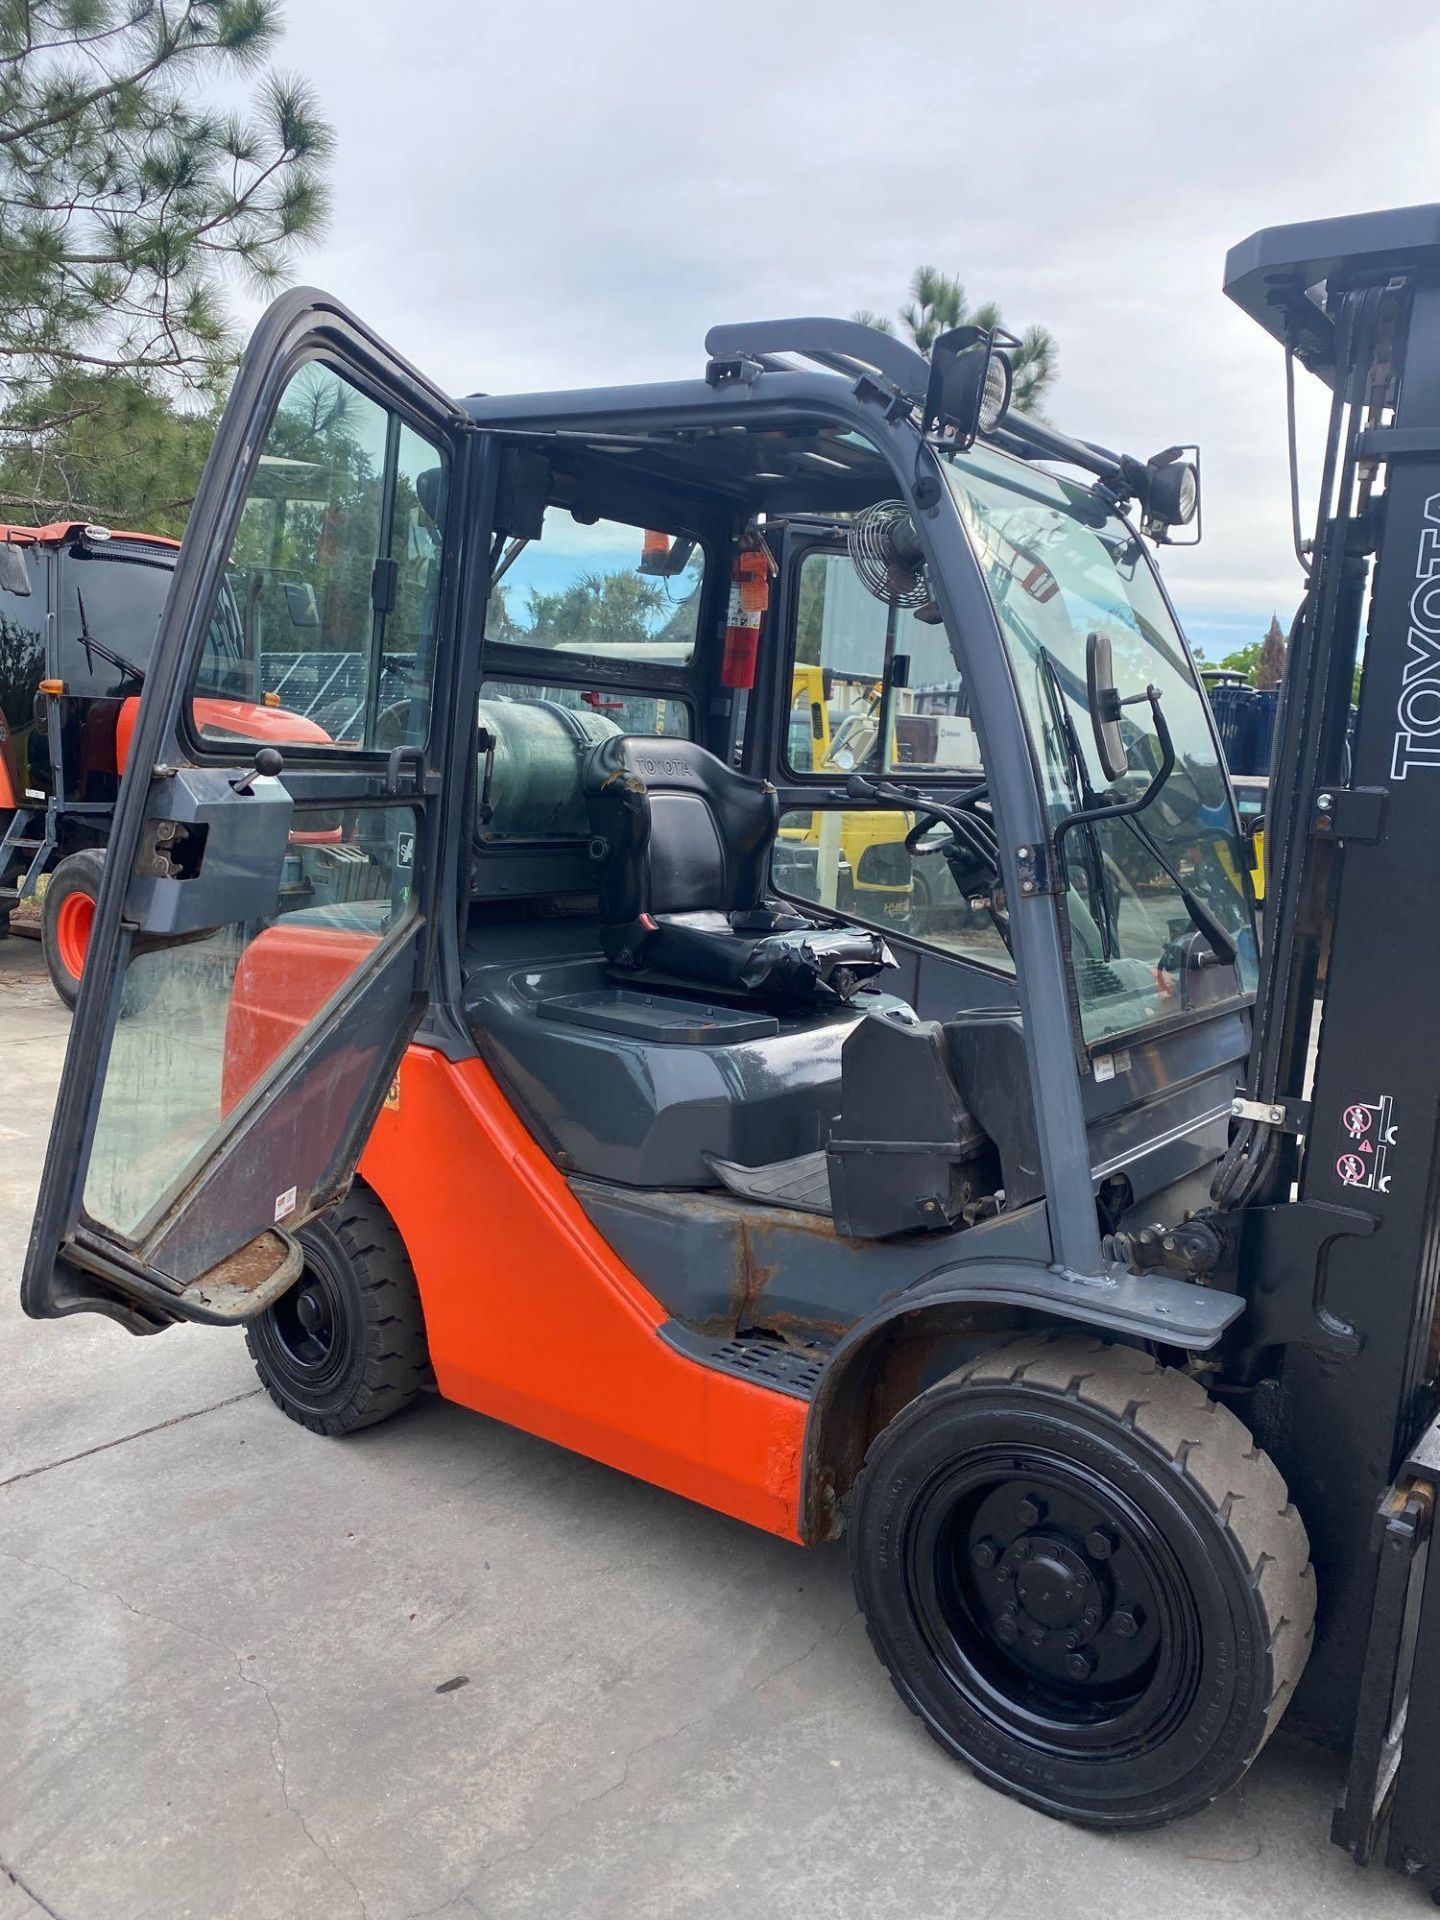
point(676, 829)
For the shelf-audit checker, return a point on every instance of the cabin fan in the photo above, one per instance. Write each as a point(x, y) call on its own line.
point(886, 553)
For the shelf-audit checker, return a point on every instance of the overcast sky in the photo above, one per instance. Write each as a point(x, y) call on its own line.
point(561, 192)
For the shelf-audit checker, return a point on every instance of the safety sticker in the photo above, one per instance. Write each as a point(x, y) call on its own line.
point(285, 1203)
point(405, 850)
point(1367, 1133)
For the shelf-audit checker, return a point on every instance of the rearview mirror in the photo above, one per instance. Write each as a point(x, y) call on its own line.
point(14, 572)
point(300, 599)
point(1104, 703)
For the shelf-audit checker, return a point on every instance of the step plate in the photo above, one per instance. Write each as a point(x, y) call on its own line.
point(765, 1363)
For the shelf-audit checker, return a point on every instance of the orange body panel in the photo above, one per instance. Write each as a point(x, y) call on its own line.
point(8, 795)
point(284, 978)
point(533, 1319)
point(243, 717)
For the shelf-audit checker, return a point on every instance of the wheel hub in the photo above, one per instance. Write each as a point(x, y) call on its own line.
point(310, 1310)
point(1059, 1588)
point(1053, 1585)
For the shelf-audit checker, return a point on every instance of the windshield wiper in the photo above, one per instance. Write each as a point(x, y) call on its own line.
point(93, 646)
point(1090, 809)
point(1202, 918)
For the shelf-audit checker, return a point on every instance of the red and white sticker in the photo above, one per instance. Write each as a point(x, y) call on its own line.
point(285, 1203)
point(1367, 1133)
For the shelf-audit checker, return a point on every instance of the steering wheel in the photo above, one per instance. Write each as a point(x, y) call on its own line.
point(926, 823)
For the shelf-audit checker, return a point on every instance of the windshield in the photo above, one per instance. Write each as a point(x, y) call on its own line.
point(111, 599)
point(110, 606)
point(1061, 565)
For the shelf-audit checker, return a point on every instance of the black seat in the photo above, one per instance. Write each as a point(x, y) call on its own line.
point(684, 843)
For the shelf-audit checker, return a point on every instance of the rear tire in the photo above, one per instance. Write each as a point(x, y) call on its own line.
point(68, 917)
point(1085, 1578)
point(345, 1347)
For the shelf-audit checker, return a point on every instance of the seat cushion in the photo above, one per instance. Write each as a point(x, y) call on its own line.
point(792, 966)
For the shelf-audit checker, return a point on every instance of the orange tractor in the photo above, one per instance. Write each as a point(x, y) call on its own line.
point(79, 610)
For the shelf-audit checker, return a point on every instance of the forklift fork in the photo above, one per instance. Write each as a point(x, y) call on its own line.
point(1391, 1800)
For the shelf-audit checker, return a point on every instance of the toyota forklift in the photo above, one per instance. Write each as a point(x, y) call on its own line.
point(1028, 1258)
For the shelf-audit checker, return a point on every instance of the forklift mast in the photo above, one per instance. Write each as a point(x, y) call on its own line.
point(1343, 1275)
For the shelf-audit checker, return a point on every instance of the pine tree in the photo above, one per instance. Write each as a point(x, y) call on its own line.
point(124, 196)
point(1269, 669)
point(125, 202)
point(938, 302)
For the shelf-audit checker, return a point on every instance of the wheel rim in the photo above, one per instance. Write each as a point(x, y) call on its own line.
point(74, 923)
point(309, 1329)
point(1053, 1603)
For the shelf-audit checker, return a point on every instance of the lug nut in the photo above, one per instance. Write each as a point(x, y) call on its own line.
point(984, 1553)
point(1030, 1511)
point(1079, 1665)
point(1036, 1636)
point(1006, 1630)
point(1100, 1543)
point(1020, 1550)
point(1127, 1623)
point(1071, 1641)
point(1091, 1616)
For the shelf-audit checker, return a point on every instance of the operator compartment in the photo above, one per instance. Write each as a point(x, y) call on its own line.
point(663, 1024)
point(646, 1008)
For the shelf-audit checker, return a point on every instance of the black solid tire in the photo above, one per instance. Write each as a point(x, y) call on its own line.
point(1193, 1482)
point(77, 873)
point(373, 1359)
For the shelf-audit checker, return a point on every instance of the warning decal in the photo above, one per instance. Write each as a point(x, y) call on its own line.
point(1367, 1133)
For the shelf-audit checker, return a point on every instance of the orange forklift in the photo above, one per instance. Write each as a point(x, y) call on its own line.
point(491, 1048)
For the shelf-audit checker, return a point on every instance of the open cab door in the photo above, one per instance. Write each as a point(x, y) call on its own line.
point(263, 942)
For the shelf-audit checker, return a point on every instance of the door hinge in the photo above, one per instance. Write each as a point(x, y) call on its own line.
point(1349, 813)
point(1037, 871)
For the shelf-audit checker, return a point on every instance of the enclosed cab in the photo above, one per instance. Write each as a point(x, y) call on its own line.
point(534, 1031)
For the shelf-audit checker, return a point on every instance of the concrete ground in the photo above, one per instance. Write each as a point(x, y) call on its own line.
point(443, 1669)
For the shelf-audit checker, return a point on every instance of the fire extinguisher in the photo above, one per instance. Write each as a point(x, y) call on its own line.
point(749, 597)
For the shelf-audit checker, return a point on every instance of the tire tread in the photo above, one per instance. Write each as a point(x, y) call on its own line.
point(396, 1363)
point(1201, 1440)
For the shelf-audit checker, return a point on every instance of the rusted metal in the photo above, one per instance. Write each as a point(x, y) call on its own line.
point(246, 1282)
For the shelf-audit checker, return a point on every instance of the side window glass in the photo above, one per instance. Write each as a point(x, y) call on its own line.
point(22, 657)
point(528, 784)
point(602, 588)
point(850, 651)
point(855, 861)
point(323, 627)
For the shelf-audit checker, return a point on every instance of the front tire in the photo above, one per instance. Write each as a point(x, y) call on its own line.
point(67, 919)
point(1085, 1578)
point(345, 1347)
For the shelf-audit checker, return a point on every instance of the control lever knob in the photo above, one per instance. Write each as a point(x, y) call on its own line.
point(269, 762)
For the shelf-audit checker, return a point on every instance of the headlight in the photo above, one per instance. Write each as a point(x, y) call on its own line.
point(995, 396)
point(1174, 493)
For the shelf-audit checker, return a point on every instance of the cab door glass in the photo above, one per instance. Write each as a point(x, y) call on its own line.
point(873, 689)
point(323, 627)
point(202, 1022)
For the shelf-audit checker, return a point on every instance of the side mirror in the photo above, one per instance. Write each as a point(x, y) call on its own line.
point(1104, 702)
point(970, 379)
point(14, 571)
point(300, 599)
